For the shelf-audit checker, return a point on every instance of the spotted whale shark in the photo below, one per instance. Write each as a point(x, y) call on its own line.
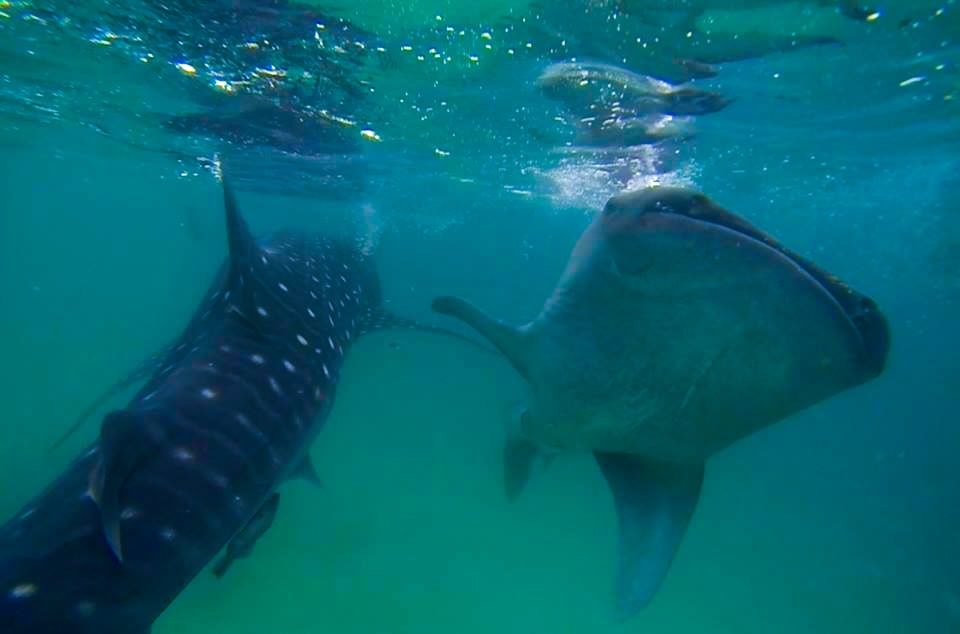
point(194, 460)
point(676, 329)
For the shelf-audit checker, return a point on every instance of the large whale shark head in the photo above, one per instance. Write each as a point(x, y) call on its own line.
point(676, 329)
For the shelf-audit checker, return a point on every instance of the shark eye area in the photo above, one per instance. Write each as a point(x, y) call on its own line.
point(663, 207)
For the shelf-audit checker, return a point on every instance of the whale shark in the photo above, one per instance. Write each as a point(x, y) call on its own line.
point(676, 329)
point(193, 462)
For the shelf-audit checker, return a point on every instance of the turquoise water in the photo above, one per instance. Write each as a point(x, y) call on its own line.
point(839, 519)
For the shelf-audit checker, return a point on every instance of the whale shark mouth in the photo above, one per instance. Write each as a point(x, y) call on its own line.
point(673, 209)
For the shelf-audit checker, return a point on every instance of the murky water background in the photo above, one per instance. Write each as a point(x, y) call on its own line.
point(840, 519)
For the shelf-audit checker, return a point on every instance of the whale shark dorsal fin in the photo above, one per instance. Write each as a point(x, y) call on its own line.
point(240, 263)
point(654, 501)
point(239, 238)
point(126, 440)
point(510, 340)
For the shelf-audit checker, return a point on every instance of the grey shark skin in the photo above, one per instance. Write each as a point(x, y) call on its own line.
point(676, 329)
point(200, 449)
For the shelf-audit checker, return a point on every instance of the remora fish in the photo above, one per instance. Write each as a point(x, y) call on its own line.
point(242, 544)
point(202, 446)
point(676, 329)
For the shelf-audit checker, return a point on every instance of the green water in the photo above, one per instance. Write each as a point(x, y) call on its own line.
point(840, 519)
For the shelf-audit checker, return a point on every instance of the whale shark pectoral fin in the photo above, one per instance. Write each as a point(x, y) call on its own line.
point(125, 441)
point(140, 373)
point(654, 502)
point(519, 456)
point(306, 471)
point(511, 341)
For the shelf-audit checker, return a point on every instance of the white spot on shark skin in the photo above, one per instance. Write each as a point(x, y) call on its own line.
point(311, 313)
point(256, 358)
point(26, 514)
point(23, 590)
point(302, 340)
point(244, 422)
point(274, 385)
point(317, 393)
point(85, 609)
point(347, 334)
point(261, 311)
point(168, 534)
point(226, 348)
point(313, 295)
point(183, 454)
point(330, 341)
point(330, 317)
point(289, 366)
point(263, 259)
point(207, 393)
point(326, 372)
point(283, 287)
point(226, 296)
point(318, 350)
point(220, 480)
point(129, 513)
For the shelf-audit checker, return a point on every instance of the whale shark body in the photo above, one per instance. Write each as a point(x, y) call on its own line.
point(194, 460)
point(676, 329)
